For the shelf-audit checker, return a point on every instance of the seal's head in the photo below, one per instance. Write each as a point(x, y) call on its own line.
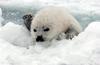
point(41, 29)
point(41, 32)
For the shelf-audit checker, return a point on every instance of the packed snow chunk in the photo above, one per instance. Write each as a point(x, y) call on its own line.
point(92, 32)
point(4, 52)
point(1, 19)
point(89, 42)
point(15, 34)
point(0, 12)
point(94, 27)
point(8, 50)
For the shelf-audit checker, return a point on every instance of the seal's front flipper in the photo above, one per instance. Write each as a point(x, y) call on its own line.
point(71, 32)
point(27, 20)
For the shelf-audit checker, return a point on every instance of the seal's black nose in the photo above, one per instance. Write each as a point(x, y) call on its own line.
point(39, 39)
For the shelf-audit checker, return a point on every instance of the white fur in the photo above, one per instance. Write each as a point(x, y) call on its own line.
point(58, 19)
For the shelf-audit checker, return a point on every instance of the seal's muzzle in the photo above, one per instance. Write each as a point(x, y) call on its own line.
point(39, 39)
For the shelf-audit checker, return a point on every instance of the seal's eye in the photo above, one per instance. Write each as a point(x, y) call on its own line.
point(34, 30)
point(46, 29)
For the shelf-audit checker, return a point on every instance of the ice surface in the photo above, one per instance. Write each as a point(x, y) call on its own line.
point(79, 5)
point(16, 48)
point(85, 11)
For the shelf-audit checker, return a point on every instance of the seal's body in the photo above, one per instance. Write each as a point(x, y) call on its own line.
point(49, 23)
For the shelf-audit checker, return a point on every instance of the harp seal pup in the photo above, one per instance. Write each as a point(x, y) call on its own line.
point(52, 23)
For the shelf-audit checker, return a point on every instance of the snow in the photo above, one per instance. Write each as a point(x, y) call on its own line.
point(16, 34)
point(17, 48)
point(82, 50)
